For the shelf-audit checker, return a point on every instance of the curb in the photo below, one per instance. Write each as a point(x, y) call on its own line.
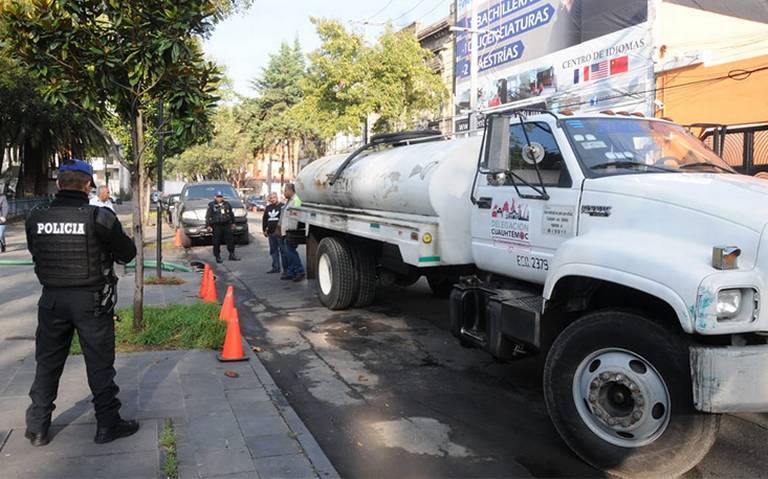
point(306, 440)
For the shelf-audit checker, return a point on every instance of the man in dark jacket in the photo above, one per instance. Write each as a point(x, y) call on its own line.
point(221, 219)
point(73, 246)
point(269, 222)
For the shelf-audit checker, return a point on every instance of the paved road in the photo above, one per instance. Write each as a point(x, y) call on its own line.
point(387, 391)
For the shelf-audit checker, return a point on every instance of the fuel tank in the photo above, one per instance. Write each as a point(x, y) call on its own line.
point(431, 179)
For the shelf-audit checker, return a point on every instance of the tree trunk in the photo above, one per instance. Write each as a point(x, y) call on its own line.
point(137, 180)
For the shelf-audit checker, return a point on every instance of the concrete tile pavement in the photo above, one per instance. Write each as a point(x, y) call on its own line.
point(233, 427)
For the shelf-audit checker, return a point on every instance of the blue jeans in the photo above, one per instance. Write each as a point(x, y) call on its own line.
point(292, 260)
point(2, 234)
point(275, 251)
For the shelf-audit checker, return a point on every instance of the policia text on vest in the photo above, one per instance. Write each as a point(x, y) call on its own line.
point(73, 246)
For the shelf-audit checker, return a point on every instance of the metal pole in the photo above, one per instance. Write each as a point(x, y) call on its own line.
point(160, 153)
point(473, 66)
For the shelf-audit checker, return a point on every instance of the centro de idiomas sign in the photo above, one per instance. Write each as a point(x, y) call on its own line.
point(576, 54)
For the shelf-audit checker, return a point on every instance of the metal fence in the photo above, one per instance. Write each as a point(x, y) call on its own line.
point(19, 208)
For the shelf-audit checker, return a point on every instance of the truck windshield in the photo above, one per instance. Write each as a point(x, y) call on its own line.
point(609, 146)
point(200, 192)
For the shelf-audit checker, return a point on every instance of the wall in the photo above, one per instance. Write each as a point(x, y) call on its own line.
point(724, 101)
point(698, 43)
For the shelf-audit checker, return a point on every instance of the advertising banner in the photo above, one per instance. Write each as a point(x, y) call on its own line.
point(576, 54)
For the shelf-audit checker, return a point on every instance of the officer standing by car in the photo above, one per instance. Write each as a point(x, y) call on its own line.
point(221, 219)
point(74, 245)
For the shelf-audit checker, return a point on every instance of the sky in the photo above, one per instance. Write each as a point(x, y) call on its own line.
point(243, 42)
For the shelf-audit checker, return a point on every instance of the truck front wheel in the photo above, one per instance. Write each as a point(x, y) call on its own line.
point(335, 273)
point(618, 389)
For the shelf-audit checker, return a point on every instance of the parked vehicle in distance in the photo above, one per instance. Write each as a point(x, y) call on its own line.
point(620, 248)
point(256, 203)
point(193, 205)
point(170, 205)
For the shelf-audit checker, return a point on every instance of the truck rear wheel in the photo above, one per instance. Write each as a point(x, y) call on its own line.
point(618, 389)
point(365, 266)
point(336, 274)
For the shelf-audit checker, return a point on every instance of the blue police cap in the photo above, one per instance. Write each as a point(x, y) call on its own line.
point(219, 193)
point(76, 165)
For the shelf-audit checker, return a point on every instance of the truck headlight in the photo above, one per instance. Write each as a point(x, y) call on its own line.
point(189, 215)
point(728, 303)
point(239, 212)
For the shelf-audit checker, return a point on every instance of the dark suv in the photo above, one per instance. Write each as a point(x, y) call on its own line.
point(194, 204)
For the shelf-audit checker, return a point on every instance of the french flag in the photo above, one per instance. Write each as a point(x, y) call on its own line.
point(581, 75)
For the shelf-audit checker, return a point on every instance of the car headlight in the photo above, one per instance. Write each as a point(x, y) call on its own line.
point(189, 215)
point(240, 212)
point(728, 303)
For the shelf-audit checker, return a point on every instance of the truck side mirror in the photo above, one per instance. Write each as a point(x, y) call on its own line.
point(497, 146)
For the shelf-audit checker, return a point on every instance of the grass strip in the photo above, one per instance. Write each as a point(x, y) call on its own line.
point(179, 326)
point(167, 443)
point(164, 280)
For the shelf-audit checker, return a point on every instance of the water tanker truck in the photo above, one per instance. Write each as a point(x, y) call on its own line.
point(619, 247)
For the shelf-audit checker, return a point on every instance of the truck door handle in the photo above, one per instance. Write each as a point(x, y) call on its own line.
point(484, 203)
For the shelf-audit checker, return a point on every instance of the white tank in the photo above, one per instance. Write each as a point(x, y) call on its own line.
point(431, 179)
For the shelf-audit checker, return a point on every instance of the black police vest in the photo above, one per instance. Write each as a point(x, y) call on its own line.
point(65, 248)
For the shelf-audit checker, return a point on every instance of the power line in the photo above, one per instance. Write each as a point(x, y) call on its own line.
point(380, 11)
point(439, 4)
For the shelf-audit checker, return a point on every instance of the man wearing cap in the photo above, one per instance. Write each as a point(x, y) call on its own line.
point(221, 220)
point(74, 245)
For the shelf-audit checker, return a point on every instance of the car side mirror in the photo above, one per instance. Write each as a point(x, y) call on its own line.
point(497, 145)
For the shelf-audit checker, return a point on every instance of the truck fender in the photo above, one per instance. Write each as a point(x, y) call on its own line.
point(647, 263)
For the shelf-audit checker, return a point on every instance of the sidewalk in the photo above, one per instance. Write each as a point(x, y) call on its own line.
point(225, 426)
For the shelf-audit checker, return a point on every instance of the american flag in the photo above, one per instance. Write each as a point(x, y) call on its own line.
point(599, 70)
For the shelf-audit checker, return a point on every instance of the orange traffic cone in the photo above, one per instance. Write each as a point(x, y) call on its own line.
point(204, 282)
point(228, 306)
point(210, 296)
point(233, 342)
point(177, 239)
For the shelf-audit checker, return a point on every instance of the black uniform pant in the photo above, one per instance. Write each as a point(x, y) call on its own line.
point(223, 234)
point(60, 313)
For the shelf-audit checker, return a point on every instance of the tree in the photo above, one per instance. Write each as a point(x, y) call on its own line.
point(120, 56)
point(348, 80)
point(274, 123)
point(38, 129)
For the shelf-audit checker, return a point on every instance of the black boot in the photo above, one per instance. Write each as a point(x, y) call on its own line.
point(122, 428)
point(232, 257)
point(2, 247)
point(219, 260)
point(37, 439)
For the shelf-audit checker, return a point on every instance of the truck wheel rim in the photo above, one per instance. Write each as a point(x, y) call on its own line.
point(621, 397)
point(324, 274)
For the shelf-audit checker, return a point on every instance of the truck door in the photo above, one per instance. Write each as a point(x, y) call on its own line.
point(515, 228)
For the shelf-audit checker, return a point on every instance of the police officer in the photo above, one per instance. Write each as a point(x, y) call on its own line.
point(73, 245)
point(221, 219)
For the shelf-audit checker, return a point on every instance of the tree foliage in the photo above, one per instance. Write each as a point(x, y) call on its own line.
point(348, 80)
point(121, 56)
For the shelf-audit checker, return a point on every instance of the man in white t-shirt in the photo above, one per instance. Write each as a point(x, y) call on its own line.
point(102, 198)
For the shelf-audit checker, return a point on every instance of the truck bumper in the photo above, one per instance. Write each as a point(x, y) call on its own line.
point(730, 379)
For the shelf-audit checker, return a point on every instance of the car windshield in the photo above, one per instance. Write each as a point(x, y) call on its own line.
point(609, 146)
point(199, 192)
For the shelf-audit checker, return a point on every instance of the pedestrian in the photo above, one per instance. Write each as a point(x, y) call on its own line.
point(221, 220)
point(74, 246)
point(269, 222)
point(102, 198)
point(294, 270)
point(3, 220)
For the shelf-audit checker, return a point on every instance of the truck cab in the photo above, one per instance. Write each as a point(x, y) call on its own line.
point(619, 247)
